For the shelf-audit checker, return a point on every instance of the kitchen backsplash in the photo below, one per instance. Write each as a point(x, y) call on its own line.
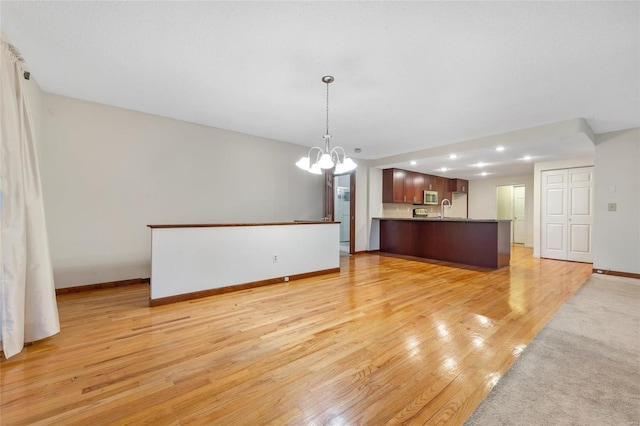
point(404, 210)
point(458, 208)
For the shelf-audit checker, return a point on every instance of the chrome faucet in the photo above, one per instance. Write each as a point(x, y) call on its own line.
point(442, 207)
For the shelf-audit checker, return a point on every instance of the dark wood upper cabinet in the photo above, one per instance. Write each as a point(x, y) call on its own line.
point(402, 186)
point(459, 185)
point(405, 187)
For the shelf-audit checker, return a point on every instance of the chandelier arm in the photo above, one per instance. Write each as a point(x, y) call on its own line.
point(337, 154)
point(311, 150)
point(319, 154)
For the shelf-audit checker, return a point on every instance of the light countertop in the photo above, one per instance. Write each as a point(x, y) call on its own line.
point(446, 219)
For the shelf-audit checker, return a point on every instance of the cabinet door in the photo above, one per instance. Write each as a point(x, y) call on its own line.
point(428, 182)
point(393, 186)
point(408, 187)
point(448, 192)
point(418, 188)
point(438, 185)
point(459, 185)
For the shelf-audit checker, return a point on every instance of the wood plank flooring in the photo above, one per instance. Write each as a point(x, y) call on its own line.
point(385, 341)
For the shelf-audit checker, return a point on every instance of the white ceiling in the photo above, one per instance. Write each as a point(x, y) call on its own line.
point(410, 76)
point(517, 158)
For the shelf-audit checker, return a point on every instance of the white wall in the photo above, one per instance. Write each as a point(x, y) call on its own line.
point(505, 202)
point(108, 172)
point(362, 199)
point(616, 235)
point(188, 260)
point(458, 206)
point(375, 208)
point(483, 200)
point(537, 170)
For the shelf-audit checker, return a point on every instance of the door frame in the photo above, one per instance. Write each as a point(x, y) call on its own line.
point(330, 189)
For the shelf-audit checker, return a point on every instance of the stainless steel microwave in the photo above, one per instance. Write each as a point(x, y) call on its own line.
point(431, 197)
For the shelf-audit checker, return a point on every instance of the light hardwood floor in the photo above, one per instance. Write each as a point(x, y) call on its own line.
point(385, 341)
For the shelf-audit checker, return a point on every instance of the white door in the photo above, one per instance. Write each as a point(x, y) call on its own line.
point(518, 214)
point(580, 206)
point(567, 214)
point(553, 208)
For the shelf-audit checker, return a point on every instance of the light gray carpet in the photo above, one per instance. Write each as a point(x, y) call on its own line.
point(583, 368)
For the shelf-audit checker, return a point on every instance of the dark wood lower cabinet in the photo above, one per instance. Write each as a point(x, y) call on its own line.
point(478, 243)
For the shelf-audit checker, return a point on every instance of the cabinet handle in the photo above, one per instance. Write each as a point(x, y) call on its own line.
point(464, 189)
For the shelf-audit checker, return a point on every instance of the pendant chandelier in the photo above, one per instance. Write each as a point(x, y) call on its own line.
point(327, 158)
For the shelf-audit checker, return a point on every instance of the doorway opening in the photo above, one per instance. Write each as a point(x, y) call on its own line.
point(344, 208)
point(511, 206)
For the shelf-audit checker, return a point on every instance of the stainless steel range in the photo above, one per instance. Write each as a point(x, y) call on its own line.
point(420, 213)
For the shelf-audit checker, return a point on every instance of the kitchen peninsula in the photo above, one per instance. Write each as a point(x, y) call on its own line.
point(478, 242)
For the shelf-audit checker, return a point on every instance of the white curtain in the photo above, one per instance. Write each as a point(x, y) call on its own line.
point(27, 293)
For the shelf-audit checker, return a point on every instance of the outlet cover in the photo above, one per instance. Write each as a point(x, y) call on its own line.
point(612, 207)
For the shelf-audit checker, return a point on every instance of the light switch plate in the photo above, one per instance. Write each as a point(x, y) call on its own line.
point(612, 207)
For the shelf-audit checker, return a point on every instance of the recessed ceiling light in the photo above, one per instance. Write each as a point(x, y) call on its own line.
point(527, 158)
point(453, 156)
point(443, 169)
point(413, 163)
point(500, 148)
point(484, 174)
point(480, 164)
